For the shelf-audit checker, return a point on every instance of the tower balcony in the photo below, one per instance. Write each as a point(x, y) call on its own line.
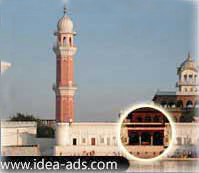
point(187, 83)
point(64, 90)
point(64, 49)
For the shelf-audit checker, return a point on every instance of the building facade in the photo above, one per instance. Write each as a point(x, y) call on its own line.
point(185, 99)
point(99, 138)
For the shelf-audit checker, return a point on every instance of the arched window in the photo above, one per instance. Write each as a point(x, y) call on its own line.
point(195, 77)
point(185, 77)
point(70, 41)
point(64, 41)
point(133, 138)
point(147, 119)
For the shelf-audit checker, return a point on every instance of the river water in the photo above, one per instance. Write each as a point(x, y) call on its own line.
point(165, 166)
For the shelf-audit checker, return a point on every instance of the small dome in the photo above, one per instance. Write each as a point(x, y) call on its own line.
point(188, 64)
point(65, 24)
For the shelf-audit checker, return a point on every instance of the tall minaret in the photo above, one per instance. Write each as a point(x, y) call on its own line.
point(65, 87)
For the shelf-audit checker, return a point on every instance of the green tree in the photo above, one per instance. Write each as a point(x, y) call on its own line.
point(43, 131)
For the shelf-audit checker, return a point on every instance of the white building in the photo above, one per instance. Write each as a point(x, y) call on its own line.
point(99, 138)
point(19, 138)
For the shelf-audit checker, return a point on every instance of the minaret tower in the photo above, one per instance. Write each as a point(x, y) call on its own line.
point(64, 88)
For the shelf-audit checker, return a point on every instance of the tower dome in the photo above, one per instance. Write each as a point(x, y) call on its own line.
point(188, 64)
point(65, 24)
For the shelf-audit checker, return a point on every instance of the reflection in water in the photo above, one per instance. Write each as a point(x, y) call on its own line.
point(165, 166)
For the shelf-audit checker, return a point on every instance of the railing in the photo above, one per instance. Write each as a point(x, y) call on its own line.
point(58, 44)
point(188, 82)
point(55, 86)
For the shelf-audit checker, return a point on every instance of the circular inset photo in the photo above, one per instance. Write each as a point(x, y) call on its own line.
point(146, 132)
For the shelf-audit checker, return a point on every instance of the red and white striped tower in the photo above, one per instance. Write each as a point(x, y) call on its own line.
point(65, 87)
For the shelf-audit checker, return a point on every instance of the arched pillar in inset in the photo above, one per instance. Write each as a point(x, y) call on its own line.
point(145, 138)
point(134, 138)
point(158, 138)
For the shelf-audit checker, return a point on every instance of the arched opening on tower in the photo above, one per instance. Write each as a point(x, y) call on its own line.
point(70, 41)
point(190, 78)
point(64, 41)
point(146, 138)
point(185, 78)
point(133, 138)
point(158, 138)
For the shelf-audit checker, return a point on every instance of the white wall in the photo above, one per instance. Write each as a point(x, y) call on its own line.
point(18, 133)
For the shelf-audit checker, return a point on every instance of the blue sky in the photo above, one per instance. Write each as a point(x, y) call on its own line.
point(127, 49)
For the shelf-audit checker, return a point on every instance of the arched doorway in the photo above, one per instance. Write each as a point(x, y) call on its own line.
point(158, 138)
point(133, 138)
point(146, 138)
point(171, 104)
point(179, 104)
point(189, 104)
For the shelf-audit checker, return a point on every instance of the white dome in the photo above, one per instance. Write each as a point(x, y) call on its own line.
point(65, 24)
point(188, 64)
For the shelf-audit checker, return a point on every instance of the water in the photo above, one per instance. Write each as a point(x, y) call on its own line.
point(166, 166)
